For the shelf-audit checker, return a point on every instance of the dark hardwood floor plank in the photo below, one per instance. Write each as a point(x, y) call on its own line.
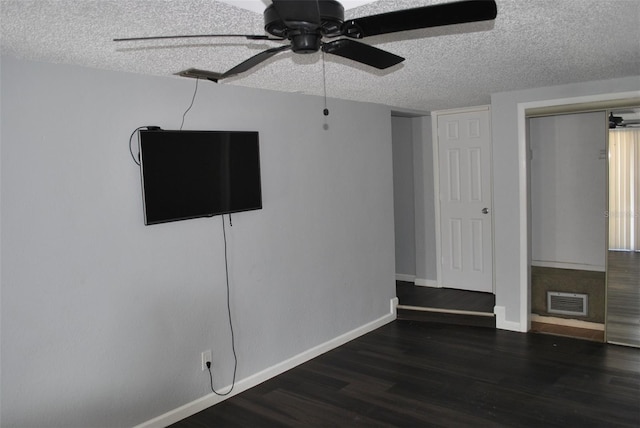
point(242, 412)
point(358, 410)
point(427, 413)
point(409, 374)
point(308, 410)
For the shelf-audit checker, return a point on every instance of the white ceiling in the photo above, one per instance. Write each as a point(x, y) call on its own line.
point(532, 43)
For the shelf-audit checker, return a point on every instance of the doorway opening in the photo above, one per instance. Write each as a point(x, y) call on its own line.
point(420, 294)
point(568, 179)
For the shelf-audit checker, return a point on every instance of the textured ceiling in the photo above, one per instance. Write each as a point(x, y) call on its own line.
point(531, 43)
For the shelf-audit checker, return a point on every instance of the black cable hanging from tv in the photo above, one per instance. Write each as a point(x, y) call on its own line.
point(233, 342)
point(148, 128)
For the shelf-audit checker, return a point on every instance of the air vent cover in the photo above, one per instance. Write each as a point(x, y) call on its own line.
point(567, 303)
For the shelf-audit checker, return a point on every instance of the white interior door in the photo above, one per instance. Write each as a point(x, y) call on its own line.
point(464, 164)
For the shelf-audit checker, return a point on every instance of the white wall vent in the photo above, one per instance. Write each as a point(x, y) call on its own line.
point(567, 303)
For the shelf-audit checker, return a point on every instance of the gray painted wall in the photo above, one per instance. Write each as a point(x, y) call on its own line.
point(568, 190)
point(403, 195)
point(424, 203)
point(103, 318)
point(413, 198)
point(506, 167)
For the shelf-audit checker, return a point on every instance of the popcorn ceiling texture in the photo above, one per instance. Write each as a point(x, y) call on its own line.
point(532, 43)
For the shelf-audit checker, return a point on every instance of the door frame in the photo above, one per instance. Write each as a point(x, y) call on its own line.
point(436, 188)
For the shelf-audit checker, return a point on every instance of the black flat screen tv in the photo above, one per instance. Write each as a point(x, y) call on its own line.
point(191, 174)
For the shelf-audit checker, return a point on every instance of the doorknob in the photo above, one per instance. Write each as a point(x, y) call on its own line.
point(485, 211)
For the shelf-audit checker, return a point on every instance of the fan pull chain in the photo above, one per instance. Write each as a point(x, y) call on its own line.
point(324, 85)
point(324, 74)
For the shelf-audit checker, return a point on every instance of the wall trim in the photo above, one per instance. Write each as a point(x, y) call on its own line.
point(569, 322)
point(483, 107)
point(445, 311)
point(436, 194)
point(405, 277)
point(566, 265)
point(503, 324)
point(427, 283)
point(417, 281)
point(211, 399)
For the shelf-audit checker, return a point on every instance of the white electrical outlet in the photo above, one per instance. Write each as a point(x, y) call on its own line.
point(206, 358)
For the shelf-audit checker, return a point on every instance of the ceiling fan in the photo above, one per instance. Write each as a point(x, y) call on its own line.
point(309, 26)
point(620, 122)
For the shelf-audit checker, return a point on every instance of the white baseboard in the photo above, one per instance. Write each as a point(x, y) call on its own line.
point(405, 277)
point(445, 311)
point(502, 323)
point(209, 400)
point(426, 282)
point(565, 265)
point(417, 281)
point(395, 302)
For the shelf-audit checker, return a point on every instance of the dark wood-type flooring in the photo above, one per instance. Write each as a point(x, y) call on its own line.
point(432, 374)
point(623, 297)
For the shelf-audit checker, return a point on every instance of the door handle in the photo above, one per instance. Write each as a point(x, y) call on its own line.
point(485, 211)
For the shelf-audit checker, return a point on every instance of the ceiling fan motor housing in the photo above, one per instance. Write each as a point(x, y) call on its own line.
point(306, 37)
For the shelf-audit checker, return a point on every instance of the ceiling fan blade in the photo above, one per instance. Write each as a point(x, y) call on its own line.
point(421, 17)
point(194, 36)
point(253, 61)
point(362, 53)
point(293, 12)
point(200, 74)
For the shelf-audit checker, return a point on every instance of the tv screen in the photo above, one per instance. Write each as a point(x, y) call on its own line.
point(190, 174)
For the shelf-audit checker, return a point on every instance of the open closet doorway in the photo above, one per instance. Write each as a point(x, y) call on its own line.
point(568, 196)
point(623, 214)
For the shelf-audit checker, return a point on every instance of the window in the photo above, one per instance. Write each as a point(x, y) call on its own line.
point(624, 189)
